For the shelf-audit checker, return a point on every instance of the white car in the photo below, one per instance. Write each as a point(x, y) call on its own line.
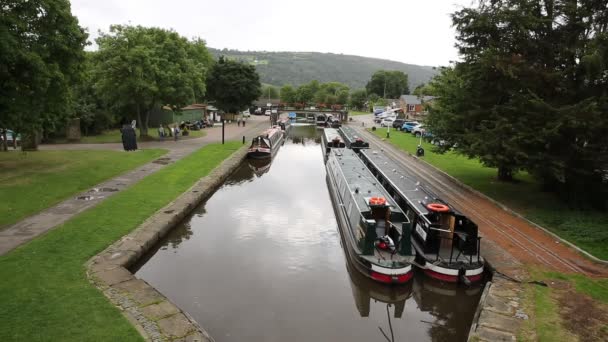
point(418, 130)
point(267, 112)
point(274, 111)
point(387, 122)
point(246, 114)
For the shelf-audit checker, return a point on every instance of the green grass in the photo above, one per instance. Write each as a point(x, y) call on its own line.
point(547, 321)
point(33, 181)
point(585, 228)
point(44, 291)
point(113, 136)
point(355, 113)
point(594, 288)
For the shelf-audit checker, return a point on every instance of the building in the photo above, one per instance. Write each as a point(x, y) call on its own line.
point(415, 107)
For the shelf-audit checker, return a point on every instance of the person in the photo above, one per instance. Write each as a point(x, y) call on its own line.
point(244, 119)
point(238, 122)
point(175, 132)
point(161, 132)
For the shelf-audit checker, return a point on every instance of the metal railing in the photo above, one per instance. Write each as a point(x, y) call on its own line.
point(460, 251)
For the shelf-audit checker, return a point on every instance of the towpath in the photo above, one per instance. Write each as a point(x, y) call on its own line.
point(37, 224)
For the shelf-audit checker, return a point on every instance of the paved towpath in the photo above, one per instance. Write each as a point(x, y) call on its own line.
point(37, 224)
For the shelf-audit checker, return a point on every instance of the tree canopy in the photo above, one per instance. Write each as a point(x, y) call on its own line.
point(141, 68)
point(233, 85)
point(42, 51)
point(388, 84)
point(531, 92)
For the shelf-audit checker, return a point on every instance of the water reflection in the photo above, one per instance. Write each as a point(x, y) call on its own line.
point(259, 166)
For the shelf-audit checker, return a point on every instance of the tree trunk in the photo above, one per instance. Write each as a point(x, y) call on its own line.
point(143, 130)
point(505, 174)
point(4, 142)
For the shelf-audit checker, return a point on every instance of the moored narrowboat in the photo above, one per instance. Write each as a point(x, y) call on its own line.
point(284, 124)
point(266, 144)
point(446, 242)
point(321, 120)
point(376, 233)
point(331, 139)
point(352, 139)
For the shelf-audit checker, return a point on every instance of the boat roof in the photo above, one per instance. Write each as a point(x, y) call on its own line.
point(403, 181)
point(331, 134)
point(362, 183)
point(271, 131)
point(350, 134)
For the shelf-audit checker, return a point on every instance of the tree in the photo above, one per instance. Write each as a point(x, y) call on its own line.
point(388, 84)
point(233, 85)
point(530, 92)
point(358, 98)
point(288, 94)
point(140, 68)
point(42, 50)
point(424, 90)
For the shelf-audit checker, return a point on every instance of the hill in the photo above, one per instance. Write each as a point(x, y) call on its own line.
point(295, 68)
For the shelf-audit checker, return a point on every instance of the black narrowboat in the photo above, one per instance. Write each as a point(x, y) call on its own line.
point(446, 242)
point(375, 232)
point(331, 139)
point(352, 139)
point(266, 144)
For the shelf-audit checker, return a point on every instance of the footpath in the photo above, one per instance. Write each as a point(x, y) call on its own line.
point(37, 224)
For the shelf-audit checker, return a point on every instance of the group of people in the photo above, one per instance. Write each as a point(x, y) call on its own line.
point(172, 131)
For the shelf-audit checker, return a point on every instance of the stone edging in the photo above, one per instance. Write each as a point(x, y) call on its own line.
point(152, 314)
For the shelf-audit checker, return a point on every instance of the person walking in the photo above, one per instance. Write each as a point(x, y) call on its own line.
point(238, 122)
point(244, 119)
point(161, 132)
point(175, 133)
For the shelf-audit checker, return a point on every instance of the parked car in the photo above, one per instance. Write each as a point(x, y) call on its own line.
point(267, 112)
point(387, 122)
point(246, 113)
point(258, 111)
point(398, 123)
point(378, 110)
point(418, 131)
point(274, 111)
point(409, 125)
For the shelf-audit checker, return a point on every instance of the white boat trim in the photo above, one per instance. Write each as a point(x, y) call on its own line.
point(391, 271)
point(451, 271)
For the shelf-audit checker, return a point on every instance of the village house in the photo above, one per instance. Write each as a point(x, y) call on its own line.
point(415, 107)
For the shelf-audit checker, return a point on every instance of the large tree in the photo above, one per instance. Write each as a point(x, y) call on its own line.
point(41, 48)
point(388, 84)
point(233, 85)
point(358, 98)
point(531, 91)
point(142, 68)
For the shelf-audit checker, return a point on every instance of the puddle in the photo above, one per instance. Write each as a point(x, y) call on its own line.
point(96, 190)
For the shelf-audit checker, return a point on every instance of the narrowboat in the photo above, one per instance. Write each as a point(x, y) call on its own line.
point(352, 139)
point(266, 144)
point(321, 120)
point(331, 139)
point(446, 242)
point(376, 233)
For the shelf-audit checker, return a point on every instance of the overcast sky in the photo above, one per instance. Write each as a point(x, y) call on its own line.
point(412, 31)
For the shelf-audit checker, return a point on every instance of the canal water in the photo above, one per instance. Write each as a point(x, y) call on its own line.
point(262, 260)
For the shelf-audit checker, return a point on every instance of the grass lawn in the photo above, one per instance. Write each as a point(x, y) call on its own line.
point(355, 113)
point(113, 136)
point(33, 181)
point(44, 291)
point(585, 228)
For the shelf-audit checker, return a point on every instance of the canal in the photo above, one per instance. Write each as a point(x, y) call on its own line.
point(261, 260)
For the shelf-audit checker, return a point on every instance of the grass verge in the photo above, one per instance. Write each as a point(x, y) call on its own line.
point(44, 291)
point(33, 181)
point(356, 113)
point(571, 307)
point(585, 228)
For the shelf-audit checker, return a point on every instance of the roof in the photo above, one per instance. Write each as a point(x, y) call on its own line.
point(413, 99)
point(195, 106)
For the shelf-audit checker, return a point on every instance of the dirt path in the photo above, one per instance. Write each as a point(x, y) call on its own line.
point(37, 224)
point(517, 237)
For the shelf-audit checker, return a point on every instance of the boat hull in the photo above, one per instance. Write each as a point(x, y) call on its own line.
point(375, 272)
point(264, 152)
point(442, 272)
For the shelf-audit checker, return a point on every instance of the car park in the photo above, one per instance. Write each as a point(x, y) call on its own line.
point(409, 125)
